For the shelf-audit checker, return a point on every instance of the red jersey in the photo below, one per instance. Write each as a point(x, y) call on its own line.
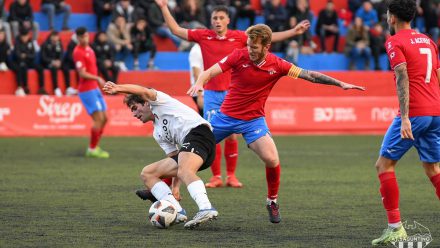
point(421, 57)
point(214, 48)
point(251, 84)
point(84, 57)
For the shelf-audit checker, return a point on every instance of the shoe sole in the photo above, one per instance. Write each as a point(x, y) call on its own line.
point(197, 223)
point(208, 185)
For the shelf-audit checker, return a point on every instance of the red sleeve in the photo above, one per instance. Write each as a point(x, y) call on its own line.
point(288, 69)
point(395, 53)
point(79, 59)
point(195, 34)
point(436, 54)
point(229, 61)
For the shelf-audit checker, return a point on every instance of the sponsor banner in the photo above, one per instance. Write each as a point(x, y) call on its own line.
point(65, 116)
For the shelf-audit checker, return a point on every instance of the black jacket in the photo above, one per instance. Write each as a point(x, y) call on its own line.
point(68, 57)
point(24, 48)
point(98, 5)
point(103, 51)
point(4, 51)
point(143, 36)
point(50, 52)
point(21, 13)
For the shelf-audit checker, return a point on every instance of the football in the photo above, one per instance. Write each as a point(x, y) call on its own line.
point(162, 214)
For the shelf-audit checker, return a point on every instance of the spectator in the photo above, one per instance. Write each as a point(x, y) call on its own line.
point(52, 54)
point(193, 14)
point(357, 44)
point(105, 57)
point(125, 9)
point(5, 51)
point(24, 59)
point(298, 44)
point(52, 7)
point(431, 17)
point(21, 16)
point(367, 14)
point(102, 9)
point(377, 43)
point(68, 57)
point(244, 9)
point(300, 10)
point(119, 34)
point(346, 16)
point(141, 7)
point(142, 40)
point(4, 25)
point(276, 18)
point(210, 4)
point(327, 25)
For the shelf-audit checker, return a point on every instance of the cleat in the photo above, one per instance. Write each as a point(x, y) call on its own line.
point(274, 212)
point(97, 153)
point(146, 194)
point(202, 216)
point(390, 235)
point(232, 181)
point(181, 217)
point(214, 182)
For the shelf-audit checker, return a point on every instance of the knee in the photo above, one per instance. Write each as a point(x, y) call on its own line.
point(183, 173)
point(271, 161)
point(146, 174)
point(49, 8)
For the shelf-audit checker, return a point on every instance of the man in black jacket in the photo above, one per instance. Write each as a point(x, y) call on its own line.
point(327, 25)
point(52, 54)
point(103, 8)
point(105, 57)
point(21, 16)
point(24, 59)
point(52, 7)
point(142, 40)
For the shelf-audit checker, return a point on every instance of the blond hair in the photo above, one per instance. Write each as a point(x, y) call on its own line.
point(260, 31)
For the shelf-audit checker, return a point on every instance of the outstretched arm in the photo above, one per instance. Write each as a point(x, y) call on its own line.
point(169, 19)
point(402, 83)
point(204, 78)
point(300, 28)
point(146, 93)
point(319, 78)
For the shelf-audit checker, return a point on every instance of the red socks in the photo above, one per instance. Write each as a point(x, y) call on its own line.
point(216, 168)
point(273, 181)
point(390, 195)
point(436, 182)
point(95, 137)
point(168, 181)
point(231, 156)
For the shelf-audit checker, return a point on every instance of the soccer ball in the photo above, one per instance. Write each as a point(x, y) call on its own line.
point(162, 213)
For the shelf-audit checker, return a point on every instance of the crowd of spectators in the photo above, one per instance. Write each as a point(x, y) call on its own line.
point(133, 23)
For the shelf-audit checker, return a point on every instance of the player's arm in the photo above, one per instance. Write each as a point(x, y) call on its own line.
point(204, 77)
point(402, 83)
point(319, 78)
point(300, 28)
point(84, 74)
point(170, 21)
point(146, 93)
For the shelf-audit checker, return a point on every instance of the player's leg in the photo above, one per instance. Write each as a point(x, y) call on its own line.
point(231, 157)
point(432, 170)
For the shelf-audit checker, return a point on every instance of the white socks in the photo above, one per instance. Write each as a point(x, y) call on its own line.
point(395, 225)
point(162, 192)
point(198, 192)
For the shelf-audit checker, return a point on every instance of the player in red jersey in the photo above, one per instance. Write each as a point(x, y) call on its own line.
point(216, 43)
point(414, 59)
point(254, 73)
point(89, 91)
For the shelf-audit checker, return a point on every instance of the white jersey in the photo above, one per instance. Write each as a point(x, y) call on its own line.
point(173, 121)
point(195, 60)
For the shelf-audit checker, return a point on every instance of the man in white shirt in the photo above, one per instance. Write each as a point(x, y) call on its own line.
point(186, 138)
point(195, 68)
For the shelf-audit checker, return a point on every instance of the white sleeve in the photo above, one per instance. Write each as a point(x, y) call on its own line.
point(195, 57)
point(167, 147)
point(161, 98)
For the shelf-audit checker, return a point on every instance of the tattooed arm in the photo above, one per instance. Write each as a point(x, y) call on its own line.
point(319, 78)
point(402, 83)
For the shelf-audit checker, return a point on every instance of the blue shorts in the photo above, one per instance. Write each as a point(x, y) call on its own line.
point(93, 101)
point(252, 130)
point(426, 132)
point(212, 100)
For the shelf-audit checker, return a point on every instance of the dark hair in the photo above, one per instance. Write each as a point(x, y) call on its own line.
point(132, 99)
point(80, 31)
point(404, 10)
point(220, 8)
point(53, 33)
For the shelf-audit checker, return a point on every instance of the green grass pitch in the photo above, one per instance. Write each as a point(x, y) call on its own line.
point(52, 196)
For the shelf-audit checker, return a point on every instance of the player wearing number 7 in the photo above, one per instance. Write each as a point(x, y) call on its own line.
point(414, 59)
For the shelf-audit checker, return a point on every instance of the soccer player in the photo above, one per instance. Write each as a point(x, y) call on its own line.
point(89, 91)
point(414, 59)
point(216, 44)
point(254, 73)
point(175, 125)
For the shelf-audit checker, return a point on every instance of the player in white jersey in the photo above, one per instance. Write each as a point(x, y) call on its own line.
point(195, 68)
point(186, 138)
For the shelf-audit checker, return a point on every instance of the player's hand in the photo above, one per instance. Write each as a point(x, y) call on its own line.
point(405, 129)
point(194, 90)
point(176, 193)
point(110, 88)
point(101, 82)
point(162, 3)
point(346, 86)
point(301, 27)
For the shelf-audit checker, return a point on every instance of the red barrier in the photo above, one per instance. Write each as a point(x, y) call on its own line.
point(65, 116)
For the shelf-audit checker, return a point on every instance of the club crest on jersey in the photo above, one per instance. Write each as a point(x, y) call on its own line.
point(272, 71)
point(231, 39)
